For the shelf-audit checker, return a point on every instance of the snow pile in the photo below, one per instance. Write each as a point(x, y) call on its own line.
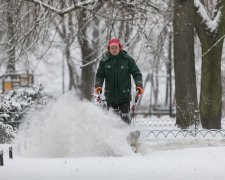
point(70, 128)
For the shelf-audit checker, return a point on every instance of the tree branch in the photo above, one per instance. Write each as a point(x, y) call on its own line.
point(40, 3)
point(73, 7)
point(214, 45)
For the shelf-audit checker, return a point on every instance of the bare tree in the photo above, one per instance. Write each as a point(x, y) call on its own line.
point(25, 25)
point(66, 30)
point(11, 49)
point(184, 64)
point(88, 38)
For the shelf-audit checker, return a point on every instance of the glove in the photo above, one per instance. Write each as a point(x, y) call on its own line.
point(98, 90)
point(140, 90)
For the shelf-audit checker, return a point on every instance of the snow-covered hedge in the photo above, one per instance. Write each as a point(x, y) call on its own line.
point(14, 104)
point(7, 133)
point(13, 107)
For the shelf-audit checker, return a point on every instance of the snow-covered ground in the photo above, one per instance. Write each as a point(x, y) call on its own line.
point(193, 163)
point(73, 139)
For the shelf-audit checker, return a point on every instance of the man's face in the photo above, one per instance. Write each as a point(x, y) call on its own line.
point(114, 49)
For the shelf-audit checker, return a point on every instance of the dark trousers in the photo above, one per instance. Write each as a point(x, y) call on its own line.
point(123, 110)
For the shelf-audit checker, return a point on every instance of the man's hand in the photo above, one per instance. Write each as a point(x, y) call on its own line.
point(98, 90)
point(140, 90)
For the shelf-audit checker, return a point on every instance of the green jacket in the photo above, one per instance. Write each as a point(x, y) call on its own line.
point(117, 71)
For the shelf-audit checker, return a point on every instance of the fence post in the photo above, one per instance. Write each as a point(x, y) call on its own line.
point(10, 153)
point(1, 158)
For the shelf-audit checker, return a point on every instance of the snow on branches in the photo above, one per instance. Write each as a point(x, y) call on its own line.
point(13, 107)
point(209, 15)
point(14, 104)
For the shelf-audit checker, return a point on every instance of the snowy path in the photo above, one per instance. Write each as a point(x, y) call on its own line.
point(198, 163)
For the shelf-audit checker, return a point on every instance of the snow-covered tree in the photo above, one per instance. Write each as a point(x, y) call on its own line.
point(210, 27)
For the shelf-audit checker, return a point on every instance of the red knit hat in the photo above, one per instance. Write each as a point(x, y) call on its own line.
point(115, 41)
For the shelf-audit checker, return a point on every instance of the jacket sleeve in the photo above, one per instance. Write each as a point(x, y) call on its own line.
point(100, 75)
point(135, 71)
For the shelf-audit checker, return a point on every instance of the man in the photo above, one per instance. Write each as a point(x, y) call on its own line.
point(116, 68)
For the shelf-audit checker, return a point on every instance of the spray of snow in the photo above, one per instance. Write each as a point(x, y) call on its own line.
point(212, 24)
point(70, 128)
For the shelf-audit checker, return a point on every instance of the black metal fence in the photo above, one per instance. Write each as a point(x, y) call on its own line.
point(187, 133)
point(165, 128)
point(9, 152)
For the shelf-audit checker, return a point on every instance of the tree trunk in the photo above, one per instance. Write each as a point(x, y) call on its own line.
point(66, 32)
point(89, 53)
point(211, 85)
point(74, 78)
point(87, 74)
point(72, 72)
point(11, 36)
point(184, 64)
point(169, 73)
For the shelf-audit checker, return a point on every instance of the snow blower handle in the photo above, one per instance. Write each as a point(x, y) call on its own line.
point(135, 100)
point(99, 97)
point(137, 97)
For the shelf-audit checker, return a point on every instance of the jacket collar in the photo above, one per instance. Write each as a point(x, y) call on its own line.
point(107, 56)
